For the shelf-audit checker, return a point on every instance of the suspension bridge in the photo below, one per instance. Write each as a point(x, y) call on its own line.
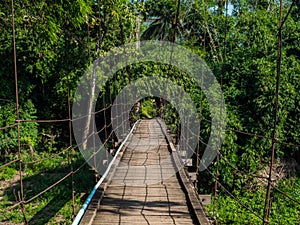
point(147, 184)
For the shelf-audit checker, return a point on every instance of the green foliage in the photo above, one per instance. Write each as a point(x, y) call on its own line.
point(28, 130)
point(284, 211)
point(7, 173)
point(148, 109)
point(54, 206)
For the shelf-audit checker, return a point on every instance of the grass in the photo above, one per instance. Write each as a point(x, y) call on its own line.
point(54, 206)
point(283, 212)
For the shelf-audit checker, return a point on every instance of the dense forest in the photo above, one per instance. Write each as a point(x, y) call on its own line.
point(56, 41)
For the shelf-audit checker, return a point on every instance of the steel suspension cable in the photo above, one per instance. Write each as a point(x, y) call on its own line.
point(252, 175)
point(268, 201)
point(21, 193)
point(267, 207)
point(70, 160)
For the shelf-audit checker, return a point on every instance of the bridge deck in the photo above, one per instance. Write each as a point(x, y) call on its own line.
point(144, 187)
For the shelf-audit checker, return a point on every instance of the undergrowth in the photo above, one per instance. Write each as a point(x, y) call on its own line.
point(55, 205)
point(284, 211)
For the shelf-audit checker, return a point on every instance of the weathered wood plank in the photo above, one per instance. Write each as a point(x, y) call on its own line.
point(144, 187)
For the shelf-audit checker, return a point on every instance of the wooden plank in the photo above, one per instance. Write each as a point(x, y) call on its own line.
point(127, 200)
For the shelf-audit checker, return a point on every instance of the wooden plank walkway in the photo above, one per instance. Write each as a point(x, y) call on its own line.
point(144, 187)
